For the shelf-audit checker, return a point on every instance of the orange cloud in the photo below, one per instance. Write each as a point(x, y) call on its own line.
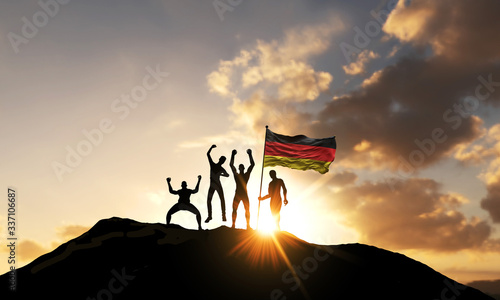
point(397, 111)
point(29, 250)
point(69, 232)
point(220, 81)
point(400, 108)
point(359, 66)
point(282, 64)
point(278, 76)
point(407, 22)
point(343, 178)
point(486, 151)
point(450, 27)
point(257, 111)
point(421, 217)
point(362, 146)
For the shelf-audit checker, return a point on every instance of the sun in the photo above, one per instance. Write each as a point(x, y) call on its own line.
point(267, 226)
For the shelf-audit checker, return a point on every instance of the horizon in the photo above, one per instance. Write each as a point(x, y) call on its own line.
point(102, 102)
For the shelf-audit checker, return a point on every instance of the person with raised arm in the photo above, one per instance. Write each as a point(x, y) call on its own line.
point(241, 194)
point(216, 171)
point(184, 203)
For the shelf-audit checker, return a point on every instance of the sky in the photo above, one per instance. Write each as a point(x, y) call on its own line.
point(102, 101)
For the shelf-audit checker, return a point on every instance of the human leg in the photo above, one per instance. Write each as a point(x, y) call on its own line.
point(275, 211)
point(222, 202)
point(236, 203)
point(172, 211)
point(246, 204)
point(210, 194)
point(191, 208)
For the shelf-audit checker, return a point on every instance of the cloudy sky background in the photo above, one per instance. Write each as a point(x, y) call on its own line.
point(143, 88)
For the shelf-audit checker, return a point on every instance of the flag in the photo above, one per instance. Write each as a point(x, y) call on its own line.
point(299, 152)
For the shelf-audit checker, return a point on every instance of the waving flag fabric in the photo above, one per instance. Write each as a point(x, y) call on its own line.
point(299, 152)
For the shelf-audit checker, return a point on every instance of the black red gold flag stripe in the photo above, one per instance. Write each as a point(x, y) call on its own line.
point(299, 152)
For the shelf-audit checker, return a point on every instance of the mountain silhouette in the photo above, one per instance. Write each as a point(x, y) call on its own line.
point(125, 259)
point(490, 287)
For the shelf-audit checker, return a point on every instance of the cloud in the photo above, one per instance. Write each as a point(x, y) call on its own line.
point(398, 109)
point(492, 245)
point(343, 178)
point(394, 50)
point(358, 67)
point(486, 151)
point(484, 148)
point(490, 287)
point(404, 117)
point(268, 80)
point(284, 63)
point(422, 217)
point(304, 42)
point(373, 79)
point(219, 81)
point(279, 63)
point(68, 232)
point(491, 202)
point(259, 110)
point(450, 27)
point(474, 156)
point(29, 250)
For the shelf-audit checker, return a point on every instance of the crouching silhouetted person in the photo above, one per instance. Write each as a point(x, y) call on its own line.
point(184, 203)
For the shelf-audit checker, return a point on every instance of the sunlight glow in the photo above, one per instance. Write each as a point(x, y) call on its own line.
point(267, 226)
point(258, 249)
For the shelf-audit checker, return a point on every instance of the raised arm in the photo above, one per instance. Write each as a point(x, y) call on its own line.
point(231, 163)
point(208, 154)
point(197, 185)
point(252, 163)
point(170, 189)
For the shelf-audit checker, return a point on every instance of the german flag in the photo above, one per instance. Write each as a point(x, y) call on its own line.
point(299, 152)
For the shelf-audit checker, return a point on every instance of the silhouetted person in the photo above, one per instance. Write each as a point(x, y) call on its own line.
point(241, 180)
point(274, 193)
point(184, 203)
point(216, 171)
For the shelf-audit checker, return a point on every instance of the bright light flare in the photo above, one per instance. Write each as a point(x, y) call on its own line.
point(266, 247)
point(267, 226)
point(259, 250)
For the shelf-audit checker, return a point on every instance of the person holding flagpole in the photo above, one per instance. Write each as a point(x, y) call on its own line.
point(274, 192)
point(295, 152)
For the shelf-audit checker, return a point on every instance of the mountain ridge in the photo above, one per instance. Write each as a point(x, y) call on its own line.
point(124, 259)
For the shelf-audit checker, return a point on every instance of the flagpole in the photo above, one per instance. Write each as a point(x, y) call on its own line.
point(261, 176)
